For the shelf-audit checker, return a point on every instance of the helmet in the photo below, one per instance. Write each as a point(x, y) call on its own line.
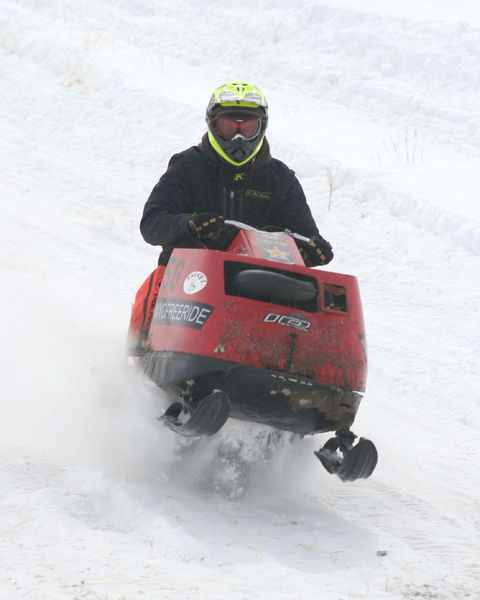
point(237, 117)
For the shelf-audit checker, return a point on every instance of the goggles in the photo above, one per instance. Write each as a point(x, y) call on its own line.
point(229, 126)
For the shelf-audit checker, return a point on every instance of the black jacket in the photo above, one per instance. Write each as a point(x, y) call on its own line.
point(264, 192)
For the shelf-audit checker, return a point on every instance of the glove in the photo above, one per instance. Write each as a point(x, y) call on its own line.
point(206, 226)
point(316, 252)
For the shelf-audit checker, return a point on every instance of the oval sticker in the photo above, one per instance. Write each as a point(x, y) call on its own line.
point(194, 282)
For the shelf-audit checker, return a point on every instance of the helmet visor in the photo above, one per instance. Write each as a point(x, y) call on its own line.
point(228, 126)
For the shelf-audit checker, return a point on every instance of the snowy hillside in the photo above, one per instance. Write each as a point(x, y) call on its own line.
point(376, 108)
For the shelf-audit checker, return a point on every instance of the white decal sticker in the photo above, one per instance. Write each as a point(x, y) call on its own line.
point(290, 321)
point(194, 282)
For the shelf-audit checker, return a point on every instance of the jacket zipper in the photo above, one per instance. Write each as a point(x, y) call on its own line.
point(232, 204)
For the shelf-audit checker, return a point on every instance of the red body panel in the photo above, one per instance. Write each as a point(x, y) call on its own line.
point(194, 314)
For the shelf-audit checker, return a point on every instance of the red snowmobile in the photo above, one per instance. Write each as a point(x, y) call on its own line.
point(253, 334)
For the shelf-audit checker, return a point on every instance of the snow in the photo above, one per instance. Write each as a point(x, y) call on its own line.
point(375, 106)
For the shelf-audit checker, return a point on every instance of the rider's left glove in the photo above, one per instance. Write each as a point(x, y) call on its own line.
point(316, 252)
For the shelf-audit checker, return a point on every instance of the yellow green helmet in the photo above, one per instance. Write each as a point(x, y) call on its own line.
point(237, 117)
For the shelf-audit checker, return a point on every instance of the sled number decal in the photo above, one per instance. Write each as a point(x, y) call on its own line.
point(172, 273)
point(194, 282)
point(183, 313)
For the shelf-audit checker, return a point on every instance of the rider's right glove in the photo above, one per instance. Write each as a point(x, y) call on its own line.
point(316, 252)
point(206, 226)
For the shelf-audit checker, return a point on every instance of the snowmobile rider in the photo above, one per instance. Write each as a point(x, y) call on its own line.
point(229, 175)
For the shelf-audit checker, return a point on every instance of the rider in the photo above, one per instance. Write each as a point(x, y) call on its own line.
point(229, 175)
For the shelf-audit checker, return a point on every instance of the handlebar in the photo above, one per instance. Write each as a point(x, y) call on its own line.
point(241, 225)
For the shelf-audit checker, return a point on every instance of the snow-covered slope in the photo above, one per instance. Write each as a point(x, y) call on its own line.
point(376, 108)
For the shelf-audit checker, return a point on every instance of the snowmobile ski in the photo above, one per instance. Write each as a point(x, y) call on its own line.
point(354, 462)
point(207, 418)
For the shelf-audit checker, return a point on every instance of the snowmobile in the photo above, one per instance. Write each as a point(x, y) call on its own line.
point(251, 333)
